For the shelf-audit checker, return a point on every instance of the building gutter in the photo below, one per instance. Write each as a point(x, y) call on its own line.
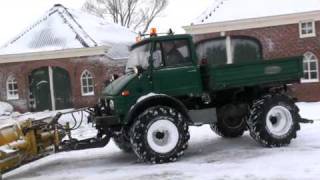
point(253, 23)
point(58, 54)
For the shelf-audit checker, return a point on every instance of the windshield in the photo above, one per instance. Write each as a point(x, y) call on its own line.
point(139, 56)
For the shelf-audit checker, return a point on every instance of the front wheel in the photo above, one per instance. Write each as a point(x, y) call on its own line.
point(159, 135)
point(274, 120)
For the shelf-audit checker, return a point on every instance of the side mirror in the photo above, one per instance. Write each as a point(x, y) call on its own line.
point(114, 77)
point(138, 70)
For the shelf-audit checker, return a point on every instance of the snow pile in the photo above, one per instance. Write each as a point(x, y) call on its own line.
point(230, 10)
point(5, 108)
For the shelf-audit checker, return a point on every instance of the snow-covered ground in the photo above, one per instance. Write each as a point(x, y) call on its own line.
point(310, 110)
point(5, 109)
point(208, 157)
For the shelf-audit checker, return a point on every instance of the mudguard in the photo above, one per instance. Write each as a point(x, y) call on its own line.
point(153, 100)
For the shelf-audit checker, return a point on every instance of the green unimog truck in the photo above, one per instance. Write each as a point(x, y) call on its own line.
point(169, 85)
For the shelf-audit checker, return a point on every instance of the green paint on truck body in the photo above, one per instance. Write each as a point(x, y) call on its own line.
point(274, 71)
point(189, 78)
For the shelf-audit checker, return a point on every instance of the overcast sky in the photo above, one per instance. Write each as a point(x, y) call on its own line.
point(17, 15)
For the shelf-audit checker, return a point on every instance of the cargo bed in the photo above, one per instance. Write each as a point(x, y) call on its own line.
point(287, 70)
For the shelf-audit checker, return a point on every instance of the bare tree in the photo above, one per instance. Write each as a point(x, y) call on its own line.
point(134, 14)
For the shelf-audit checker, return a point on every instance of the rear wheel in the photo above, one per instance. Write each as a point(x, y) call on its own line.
point(231, 121)
point(274, 120)
point(159, 135)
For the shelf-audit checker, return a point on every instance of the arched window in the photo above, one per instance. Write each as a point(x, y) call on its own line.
point(87, 84)
point(310, 68)
point(12, 88)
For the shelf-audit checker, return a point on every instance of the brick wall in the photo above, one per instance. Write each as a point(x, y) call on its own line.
point(283, 41)
point(99, 66)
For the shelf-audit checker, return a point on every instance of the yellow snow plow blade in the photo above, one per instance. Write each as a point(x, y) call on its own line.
point(24, 141)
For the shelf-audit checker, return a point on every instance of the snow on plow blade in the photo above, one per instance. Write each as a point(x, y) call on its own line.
point(27, 140)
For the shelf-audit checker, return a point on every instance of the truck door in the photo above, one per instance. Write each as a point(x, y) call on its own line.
point(174, 73)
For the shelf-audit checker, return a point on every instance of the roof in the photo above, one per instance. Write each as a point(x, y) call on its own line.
point(232, 10)
point(62, 28)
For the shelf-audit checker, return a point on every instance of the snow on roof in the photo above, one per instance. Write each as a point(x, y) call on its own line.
point(231, 10)
point(61, 28)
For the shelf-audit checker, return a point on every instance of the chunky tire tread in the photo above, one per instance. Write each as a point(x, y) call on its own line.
point(220, 129)
point(140, 128)
point(257, 120)
point(231, 120)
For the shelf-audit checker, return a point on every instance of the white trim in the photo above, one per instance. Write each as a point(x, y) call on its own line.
point(53, 99)
point(309, 71)
point(58, 54)
point(229, 50)
point(10, 97)
point(82, 85)
point(12, 80)
point(309, 80)
point(313, 34)
point(252, 23)
point(87, 94)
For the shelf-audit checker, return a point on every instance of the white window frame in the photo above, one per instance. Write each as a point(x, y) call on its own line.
point(313, 34)
point(307, 58)
point(229, 50)
point(11, 81)
point(86, 75)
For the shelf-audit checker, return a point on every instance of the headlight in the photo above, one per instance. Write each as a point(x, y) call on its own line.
point(111, 104)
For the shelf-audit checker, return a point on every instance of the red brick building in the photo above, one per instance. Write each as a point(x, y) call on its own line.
point(283, 28)
point(62, 61)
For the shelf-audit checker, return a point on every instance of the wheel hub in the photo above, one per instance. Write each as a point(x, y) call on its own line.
point(279, 121)
point(162, 136)
point(273, 120)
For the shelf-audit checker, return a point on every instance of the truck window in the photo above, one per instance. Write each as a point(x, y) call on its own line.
point(139, 56)
point(214, 51)
point(157, 56)
point(176, 53)
point(245, 50)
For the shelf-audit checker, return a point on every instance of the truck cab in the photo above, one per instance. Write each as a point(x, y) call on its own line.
point(158, 65)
